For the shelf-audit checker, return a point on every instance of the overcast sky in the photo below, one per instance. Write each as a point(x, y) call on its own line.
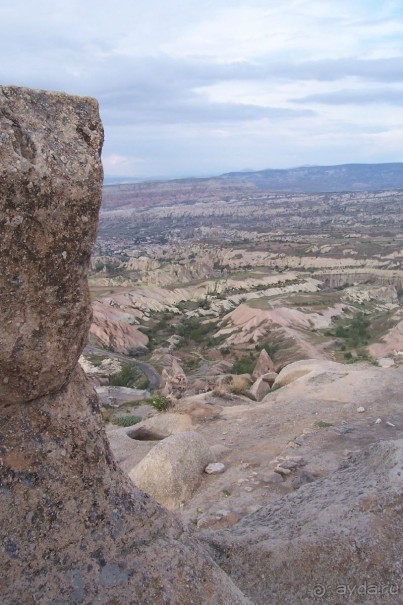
point(197, 87)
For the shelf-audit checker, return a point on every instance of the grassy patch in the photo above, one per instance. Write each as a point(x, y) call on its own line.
point(126, 377)
point(126, 420)
point(96, 360)
point(159, 402)
point(321, 424)
point(244, 365)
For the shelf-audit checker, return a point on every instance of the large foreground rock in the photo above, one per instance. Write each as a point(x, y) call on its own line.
point(49, 199)
point(173, 469)
point(73, 529)
point(337, 540)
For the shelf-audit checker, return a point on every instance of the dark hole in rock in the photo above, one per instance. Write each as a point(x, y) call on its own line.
point(143, 434)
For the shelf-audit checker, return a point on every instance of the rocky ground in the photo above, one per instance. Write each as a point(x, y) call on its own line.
point(275, 428)
point(317, 415)
point(298, 496)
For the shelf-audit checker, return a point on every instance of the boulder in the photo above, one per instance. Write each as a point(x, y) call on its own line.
point(263, 365)
point(173, 469)
point(73, 528)
point(215, 468)
point(270, 377)
point(298, 369)
point(259, 389)
point(161, 425)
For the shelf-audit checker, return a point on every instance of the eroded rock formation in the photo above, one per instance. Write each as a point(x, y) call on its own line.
point(73, 529)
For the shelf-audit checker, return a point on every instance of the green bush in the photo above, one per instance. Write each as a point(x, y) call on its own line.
point(356, 333)
point(126, 420)
point(191, 329)
point(127, 375)
point(341, 332)
point(244, 365)
point(159, 402)
point(321, 424)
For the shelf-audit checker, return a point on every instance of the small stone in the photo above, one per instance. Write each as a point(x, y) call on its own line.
point(299, 440)
point(273, 478)
point(385, 362)
point(248, 489)
point(298, 459)
point(282, 471)
point(378, 421)
point(232, 518)
point(214, 468)
point(360, 410)
point(292, 462)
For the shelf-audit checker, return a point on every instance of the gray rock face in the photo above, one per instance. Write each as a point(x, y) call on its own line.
point(50, 171)
point(73, 529)
point(331, 535)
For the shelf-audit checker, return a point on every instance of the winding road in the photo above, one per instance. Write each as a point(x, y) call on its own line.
point(154, 379)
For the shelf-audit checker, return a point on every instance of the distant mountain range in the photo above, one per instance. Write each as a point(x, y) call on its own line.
point(309, 179)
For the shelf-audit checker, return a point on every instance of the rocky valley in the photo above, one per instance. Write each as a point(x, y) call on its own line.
point(274, 323)
point(236, 434)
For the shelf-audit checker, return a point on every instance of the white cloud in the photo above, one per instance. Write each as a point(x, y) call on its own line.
point(121, 165)
point(189, 87)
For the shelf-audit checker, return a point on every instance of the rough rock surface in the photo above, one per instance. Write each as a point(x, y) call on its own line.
point(316, 545)
point(298, 369)
point(130, 445)
point(259, 389)
point(73, 529)
point(162, 425)
point(270, 377)
point(49, 199)
point(173, 469)
point(264, 365)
